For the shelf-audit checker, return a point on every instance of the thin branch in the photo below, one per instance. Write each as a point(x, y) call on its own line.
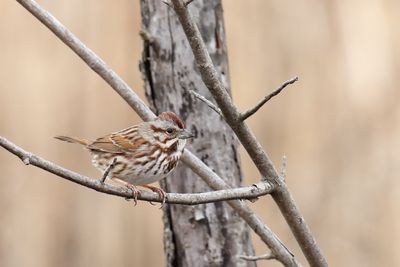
point(266, 234)
point(208, 102)
point(29, 158)
point(109, 168)
point(281, 195)
point(253, 110)
point(104, 71)
point(98, 65)
point(268, 256)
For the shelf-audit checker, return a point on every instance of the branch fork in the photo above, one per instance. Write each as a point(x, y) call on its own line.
point(235, 119)
point(281, 195)
point(253, 110)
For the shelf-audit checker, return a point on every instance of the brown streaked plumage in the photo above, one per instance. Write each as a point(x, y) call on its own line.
point(141, 154)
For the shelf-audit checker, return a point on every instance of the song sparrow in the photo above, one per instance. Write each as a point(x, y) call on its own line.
point(141, 154)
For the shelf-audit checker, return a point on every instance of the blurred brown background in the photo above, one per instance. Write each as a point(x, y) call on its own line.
point(338, 126)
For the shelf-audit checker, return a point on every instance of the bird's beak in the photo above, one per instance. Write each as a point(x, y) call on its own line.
point(185, 134)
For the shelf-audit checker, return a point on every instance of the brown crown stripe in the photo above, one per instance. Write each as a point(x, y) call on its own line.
point(172, 117)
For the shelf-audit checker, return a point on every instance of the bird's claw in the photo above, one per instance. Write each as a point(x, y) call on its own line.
point(160, 192)
point(135, 193)
point(163, 197)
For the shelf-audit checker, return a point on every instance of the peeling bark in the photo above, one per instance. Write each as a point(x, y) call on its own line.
point(210, 234)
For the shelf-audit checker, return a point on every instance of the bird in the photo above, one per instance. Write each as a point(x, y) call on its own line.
point(140, 154)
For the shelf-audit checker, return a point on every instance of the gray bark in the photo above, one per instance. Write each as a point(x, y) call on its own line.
point(208, 234)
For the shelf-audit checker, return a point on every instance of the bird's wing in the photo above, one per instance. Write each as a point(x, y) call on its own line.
point(119, 142)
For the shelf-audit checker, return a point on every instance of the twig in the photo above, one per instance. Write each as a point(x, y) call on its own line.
point(248, 192)
point(98, 65)
point(105, 174)
point(253, 110)
point(104, 71)
point(208, 102)
point(281, 195)
point(268, 256)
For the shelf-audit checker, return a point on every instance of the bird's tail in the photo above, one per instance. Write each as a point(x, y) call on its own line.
point(72, 140)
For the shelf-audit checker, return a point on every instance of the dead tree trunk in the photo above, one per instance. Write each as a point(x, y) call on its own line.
point(203, 235)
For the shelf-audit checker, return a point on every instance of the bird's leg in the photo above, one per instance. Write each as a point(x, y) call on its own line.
point(159, 191)
point(133, 188)
point(107, 171)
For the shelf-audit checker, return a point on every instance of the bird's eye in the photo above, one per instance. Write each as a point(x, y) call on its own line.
point(170, 130)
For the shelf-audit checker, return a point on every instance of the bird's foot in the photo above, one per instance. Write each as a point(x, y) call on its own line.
point(135, 192)
point(159, 191)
